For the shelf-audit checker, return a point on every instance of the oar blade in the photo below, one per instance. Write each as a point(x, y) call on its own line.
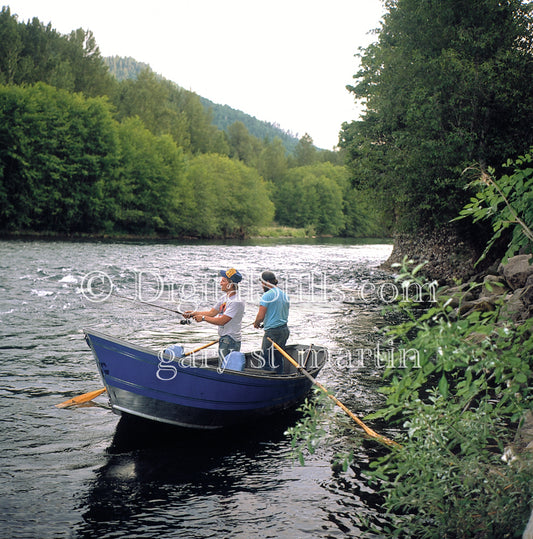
point(367, 429)
point(80, 399)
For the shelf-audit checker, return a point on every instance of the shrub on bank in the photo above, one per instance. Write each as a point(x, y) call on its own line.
point(462, 470)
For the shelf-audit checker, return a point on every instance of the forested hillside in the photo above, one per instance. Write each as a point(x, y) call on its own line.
point(221, 115)
point(445, 91)
point(124, 68)
point(84, 152)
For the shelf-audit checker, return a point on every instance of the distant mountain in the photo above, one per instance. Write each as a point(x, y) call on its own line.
point(124, 68)
point(223, 115)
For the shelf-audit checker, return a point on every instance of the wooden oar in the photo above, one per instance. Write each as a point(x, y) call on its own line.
point(200, 348)
point(86, 397)
point(367, 429)
point(80, 399)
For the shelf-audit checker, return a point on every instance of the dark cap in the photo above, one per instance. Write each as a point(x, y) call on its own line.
point(268, 277)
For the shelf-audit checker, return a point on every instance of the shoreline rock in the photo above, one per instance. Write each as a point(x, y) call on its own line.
point(517, 302)
point(451, 253)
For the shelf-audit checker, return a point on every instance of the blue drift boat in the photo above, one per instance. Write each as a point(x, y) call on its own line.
point(192, 391)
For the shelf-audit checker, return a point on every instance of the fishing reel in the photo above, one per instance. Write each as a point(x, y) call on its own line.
point(185, 321)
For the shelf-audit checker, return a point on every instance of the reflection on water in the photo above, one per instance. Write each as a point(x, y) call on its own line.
point(84, 473)
point(227, 483)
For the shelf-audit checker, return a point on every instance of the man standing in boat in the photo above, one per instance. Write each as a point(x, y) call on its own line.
point(273, 313)
point(227, 314)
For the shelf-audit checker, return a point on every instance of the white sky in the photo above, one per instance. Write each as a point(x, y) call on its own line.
point(282, 61)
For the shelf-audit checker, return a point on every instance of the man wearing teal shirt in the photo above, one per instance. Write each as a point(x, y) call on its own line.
point(273, 313)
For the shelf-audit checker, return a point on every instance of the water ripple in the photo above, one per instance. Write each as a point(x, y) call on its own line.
point(83, 473)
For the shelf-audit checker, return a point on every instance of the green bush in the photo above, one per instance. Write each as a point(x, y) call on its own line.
point(459, 411)
point(457, 408)
point(507, 203)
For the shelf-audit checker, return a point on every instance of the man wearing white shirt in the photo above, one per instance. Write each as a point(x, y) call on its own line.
point(227, 314)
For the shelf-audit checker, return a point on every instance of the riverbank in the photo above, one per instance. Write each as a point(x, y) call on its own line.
point(450, 253)
point(470, 388)
point(451, 256)
point(271, 232)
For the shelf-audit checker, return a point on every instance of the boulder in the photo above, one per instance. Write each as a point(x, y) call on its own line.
point(527, 293)
point(494, 285)
point(514, 309)
point(482, 304)
point(517, 271)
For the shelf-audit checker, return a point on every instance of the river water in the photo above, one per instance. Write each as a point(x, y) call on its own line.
point(84, 472)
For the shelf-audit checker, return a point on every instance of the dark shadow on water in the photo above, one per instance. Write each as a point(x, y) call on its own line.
point(157, 467)
point(172, 454)
point(133, 433)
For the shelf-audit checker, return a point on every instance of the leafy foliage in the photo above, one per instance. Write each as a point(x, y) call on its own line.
point(312, 196)
point(450, 481)
point(458, 408)
point(311, 430)
point(58, 153)
point(153, 194)
point(507, 203)
point(446, 85)
point(229, 197)
point(32, 52)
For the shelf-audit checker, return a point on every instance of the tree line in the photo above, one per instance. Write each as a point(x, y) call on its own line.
point(84, 152)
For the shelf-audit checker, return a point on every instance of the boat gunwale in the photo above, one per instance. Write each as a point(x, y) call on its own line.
point(248, 372)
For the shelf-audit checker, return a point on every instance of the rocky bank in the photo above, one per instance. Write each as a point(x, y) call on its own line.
point(451, 254)
point(451, 260)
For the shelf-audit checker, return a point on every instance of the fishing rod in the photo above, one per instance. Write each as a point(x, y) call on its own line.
point(184, 321)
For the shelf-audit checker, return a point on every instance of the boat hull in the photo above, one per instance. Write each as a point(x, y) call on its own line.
point(192, 392)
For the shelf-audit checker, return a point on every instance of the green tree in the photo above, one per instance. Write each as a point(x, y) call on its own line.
point(446, 85)
point(335, 157)
point(10, 46)
point(89, 72)
point(312, 196)
point(272, 163)
point(205, 137)
point(57, 156)
point(243, 146)
point(152, 194)
point(230, 198)
point(33, 52)
point(305, 152)
point(148, 98)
